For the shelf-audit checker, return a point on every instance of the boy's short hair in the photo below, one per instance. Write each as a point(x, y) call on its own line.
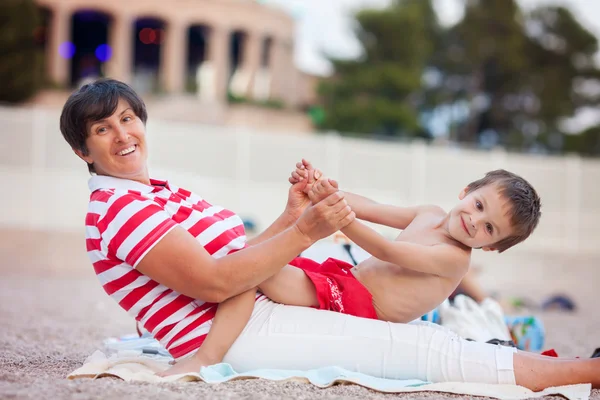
point(525, 204)
point(91, 103)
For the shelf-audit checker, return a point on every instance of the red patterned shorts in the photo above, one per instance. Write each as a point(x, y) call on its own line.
point(337, 288)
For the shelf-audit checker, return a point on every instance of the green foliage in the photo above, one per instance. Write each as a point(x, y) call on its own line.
point(375, 94)
point(586, 143)
point(517, 75)
point(21, 58)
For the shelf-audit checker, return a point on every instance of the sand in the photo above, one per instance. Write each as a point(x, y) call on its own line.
point(53, 314)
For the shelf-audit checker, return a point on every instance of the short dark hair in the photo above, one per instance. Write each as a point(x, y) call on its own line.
point(91, 103)
point(525, 204)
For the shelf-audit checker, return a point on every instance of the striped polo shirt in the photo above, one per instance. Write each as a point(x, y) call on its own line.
point(125, 220)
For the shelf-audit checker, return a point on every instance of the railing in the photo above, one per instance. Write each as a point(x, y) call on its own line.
point(45, 184)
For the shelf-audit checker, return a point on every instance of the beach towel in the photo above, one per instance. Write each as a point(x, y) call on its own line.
point(134, 365)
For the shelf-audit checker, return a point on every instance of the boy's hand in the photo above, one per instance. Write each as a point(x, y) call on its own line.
point(325, 217)
point(322, 189)
point(305, 171)
point(297, 196)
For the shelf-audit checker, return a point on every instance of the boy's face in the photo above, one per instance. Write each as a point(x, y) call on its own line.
point(481, 218)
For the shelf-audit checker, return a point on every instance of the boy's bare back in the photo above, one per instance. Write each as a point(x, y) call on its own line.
point(401, 294)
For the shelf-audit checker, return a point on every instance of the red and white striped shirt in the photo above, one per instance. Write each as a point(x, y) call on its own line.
point(125, 220)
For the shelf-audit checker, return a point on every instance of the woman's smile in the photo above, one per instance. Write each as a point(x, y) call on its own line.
point(127, 151)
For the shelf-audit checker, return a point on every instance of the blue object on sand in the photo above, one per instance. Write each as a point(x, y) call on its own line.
point(527, 332)
point(432, 316)
point(559, 302)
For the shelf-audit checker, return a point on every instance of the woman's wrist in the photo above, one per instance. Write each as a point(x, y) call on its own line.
point(303, 239)
point(289, 217)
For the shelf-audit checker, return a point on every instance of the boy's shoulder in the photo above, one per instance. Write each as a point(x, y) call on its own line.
point(430, 209)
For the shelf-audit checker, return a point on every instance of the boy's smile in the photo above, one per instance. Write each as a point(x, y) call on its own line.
point(481, 218)
point(462, 221)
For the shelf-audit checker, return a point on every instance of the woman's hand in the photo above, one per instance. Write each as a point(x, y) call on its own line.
point(326, 217)
point(297, 200)
point(302, 179)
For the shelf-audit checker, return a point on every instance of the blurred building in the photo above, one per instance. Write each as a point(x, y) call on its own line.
point(215, 51)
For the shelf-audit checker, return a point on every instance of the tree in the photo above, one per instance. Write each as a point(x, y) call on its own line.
point(586, 143)
point(379, 92)
point(499, 76)
point(19, 54)
point(517, 74)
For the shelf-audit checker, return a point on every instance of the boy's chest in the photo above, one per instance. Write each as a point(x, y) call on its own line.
point(424, 230)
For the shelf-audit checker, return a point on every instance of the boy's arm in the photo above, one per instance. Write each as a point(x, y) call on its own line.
point(382, 214)
point(231, 318)
point(442, 260)
point(364, 208)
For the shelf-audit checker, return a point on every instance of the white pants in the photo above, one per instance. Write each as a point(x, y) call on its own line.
point(289, 337)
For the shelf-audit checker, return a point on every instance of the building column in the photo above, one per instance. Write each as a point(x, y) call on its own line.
point(173, 57)
point(120, 39)
point(218, 50)
point(60, 32)
point(252, 59)
point(277, 66)
point(292, 77)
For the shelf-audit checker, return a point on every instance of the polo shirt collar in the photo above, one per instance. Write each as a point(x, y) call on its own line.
point(97, 182)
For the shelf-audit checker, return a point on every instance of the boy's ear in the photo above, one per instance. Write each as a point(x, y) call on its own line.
point(87, 158)
point(463, 193)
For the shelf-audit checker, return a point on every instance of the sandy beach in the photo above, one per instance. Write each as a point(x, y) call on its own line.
point(53, 314)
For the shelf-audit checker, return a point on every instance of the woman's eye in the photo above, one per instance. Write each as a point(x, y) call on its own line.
point(127, 119)
point(101, 130)
point(479, 205)
point(489, 228)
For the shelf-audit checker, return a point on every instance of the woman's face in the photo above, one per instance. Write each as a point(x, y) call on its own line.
point(117, 145)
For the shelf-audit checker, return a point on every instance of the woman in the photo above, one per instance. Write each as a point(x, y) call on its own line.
point(167, 256)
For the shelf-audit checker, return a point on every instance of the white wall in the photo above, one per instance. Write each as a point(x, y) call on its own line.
point(45, 184)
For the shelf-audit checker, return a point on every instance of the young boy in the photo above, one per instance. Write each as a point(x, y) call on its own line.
point(404, 278)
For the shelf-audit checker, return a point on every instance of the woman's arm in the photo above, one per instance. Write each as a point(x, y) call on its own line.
point(283, 222)
point(179, 262)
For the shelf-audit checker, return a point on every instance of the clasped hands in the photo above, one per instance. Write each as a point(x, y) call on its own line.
point(330, 211)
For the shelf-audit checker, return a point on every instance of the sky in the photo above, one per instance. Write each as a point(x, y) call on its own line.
point(325, 27)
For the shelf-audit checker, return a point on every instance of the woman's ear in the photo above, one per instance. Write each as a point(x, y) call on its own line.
point(88, 159)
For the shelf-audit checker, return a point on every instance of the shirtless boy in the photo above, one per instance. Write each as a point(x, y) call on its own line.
point(405, 278)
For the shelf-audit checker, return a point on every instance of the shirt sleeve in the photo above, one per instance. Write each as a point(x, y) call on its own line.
point(132, 225)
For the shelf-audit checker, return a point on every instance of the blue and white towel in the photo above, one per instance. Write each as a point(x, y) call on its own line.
point(133, 365)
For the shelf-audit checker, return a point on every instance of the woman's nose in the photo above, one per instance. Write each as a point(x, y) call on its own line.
point(121, 134)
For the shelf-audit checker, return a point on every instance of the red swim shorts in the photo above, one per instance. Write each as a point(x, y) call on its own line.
point(337, 288)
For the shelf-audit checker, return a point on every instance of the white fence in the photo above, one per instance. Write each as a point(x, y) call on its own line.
point(45, 184)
